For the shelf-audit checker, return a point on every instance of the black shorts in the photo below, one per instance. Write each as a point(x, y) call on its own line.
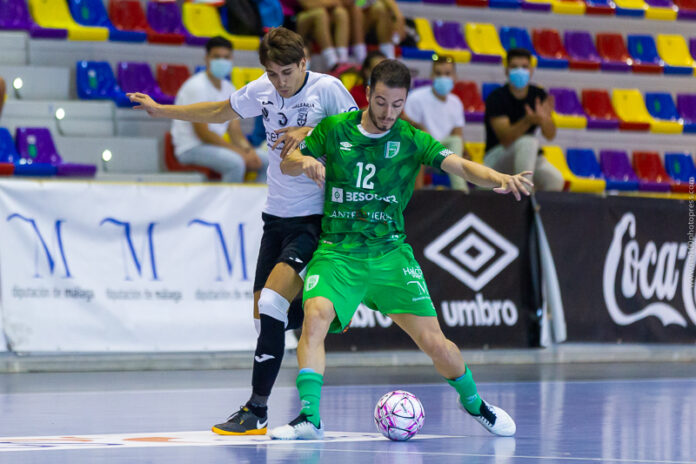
point(286, 240)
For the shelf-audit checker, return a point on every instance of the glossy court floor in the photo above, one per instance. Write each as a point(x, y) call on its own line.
point(581, 413)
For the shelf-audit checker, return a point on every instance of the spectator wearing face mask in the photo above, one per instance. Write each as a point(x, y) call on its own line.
point(513, 114)
point(435, 110)
point(203, 144)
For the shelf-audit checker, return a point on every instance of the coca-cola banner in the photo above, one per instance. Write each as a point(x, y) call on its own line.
point(474, 252)
point(625, 266)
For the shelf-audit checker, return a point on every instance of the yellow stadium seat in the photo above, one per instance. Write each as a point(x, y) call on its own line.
point(631, 4)
point(242, 76)
point(204, 21)
point(661, 14)
point(568, 7)
point(630, 107)
point(428, 42)
point(555, 156)
point(567, 121)
point(55, 14)
point(476, 151)
point(674, 51)
point(483, 39)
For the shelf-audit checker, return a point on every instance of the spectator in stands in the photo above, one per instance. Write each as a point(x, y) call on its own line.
point(3, 95)
point(375, 21)
point(313, 20)
point(435, 110)
point(359, 91)
point(203, 144)
point(513, 114)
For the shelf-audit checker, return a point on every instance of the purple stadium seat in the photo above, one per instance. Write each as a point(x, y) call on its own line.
point(582, 52)
point(567, 102)
point(165, 17)
point(617, 170)
point(536, 6)
point(35, 146)
point(14, 15)
point(449, 35)
point(692, 47)
point(421, 82)
point(138, 77)
point(686, 106)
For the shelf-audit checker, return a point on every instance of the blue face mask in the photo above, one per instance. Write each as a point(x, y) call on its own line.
point(443, 85)
point(519, 77)
point(221, 68)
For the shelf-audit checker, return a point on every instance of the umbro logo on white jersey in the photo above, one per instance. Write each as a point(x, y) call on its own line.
point(263, 358)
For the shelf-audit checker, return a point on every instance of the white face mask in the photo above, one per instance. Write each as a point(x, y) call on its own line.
point(221, 67)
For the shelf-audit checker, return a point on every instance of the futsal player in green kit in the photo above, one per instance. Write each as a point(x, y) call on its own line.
point(371, 162)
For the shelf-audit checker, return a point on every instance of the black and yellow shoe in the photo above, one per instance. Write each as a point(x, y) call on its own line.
point(242, 422)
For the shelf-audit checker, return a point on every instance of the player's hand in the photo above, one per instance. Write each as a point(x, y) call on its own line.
point(314, 170)
point(291, 138)
point(144, 102)
point(516, 184)
point(545, 109)
point(252, 160)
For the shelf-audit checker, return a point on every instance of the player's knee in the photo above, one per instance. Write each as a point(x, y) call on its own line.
point(434, 344)
point(317, 315)
point(272, 304)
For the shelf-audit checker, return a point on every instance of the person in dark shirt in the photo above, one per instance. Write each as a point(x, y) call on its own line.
point(513, 114)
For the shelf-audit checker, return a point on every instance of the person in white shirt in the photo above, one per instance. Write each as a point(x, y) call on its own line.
point(203, 144)
point(435, 110)
point(291, 101)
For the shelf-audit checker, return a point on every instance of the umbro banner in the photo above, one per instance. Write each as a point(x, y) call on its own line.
point(128, 267)
point(474, 251)
point(625, 266)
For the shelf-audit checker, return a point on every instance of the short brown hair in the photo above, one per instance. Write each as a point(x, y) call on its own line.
point(392, 73)
point(281, 46)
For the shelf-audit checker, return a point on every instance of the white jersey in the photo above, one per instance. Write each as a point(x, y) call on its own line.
point(321, 96)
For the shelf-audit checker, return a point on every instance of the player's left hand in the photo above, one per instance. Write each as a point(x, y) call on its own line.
point(516, 184)
point(291, 137)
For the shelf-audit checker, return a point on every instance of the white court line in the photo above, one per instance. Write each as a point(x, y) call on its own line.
point(171, 439)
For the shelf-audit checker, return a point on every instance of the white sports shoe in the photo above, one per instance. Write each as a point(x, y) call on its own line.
point(298, 429)
point(493, 419)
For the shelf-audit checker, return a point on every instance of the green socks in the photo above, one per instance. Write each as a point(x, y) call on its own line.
point(309, 386)
point(468, 395)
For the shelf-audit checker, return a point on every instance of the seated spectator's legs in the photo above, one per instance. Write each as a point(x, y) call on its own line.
point(379, 17)
point(456, 145)
point(229, 164)
point(341, 31)
point(262, 153)
point(2, 94)
point(357, 30)
point(315, 25)
point(546, 177)
point(523, 155)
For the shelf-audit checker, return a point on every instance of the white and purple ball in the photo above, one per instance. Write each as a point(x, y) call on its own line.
point(399, 415)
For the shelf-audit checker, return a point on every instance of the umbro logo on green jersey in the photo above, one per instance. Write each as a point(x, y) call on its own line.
point(346, 146)
point(391, 149)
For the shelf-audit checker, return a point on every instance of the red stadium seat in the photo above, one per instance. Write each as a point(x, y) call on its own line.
point(173, 164)
point(469, 94)
point(649, 168)
point(612, 48)
point(475, 3)
point(129, 15)
point(170, 77)
point(597, 105)
point(547, 43)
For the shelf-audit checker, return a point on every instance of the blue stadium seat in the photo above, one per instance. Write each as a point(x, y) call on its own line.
point(661, 106)
point(8, 153)
point(518, 37)
point(487, 88)
point(680, 166)
point(93, 13)
point(96, 81)
point(582, 162)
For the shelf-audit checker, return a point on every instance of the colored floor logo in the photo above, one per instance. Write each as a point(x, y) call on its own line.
point(472, 252)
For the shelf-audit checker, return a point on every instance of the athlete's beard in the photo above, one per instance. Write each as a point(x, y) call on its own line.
point(374, 121)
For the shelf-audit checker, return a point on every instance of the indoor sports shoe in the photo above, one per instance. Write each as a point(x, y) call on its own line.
point(493, 419)
point(299, 429)
point(242, 422)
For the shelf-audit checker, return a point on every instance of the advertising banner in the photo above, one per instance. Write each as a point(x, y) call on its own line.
point(625, 266)
point(128, 267)
point(474, 252)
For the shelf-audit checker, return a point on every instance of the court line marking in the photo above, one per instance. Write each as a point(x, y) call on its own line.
point(173, 439)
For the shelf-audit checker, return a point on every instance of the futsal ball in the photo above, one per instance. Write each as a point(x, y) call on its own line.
point(399, 415)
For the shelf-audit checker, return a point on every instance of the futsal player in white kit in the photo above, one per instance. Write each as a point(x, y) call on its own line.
point(291, 100)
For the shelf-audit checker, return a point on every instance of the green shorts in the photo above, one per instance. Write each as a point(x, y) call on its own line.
point(392, 283)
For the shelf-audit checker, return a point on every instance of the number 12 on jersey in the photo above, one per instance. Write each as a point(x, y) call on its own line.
point(369, 170)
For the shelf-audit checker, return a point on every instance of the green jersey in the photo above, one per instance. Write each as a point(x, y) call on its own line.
point(369, 180)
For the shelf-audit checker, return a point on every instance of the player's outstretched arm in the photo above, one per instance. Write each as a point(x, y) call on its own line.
point(296, 164)
point(209, 112)
point(483, 176)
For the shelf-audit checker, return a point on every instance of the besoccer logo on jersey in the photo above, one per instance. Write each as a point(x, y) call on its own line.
point(391, 149)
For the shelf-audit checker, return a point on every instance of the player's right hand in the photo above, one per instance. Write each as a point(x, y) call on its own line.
point(144, 102)
point(314, 170)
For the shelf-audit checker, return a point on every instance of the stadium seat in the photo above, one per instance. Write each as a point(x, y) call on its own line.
point(476, 151)
point(686, 106)
point(630, 107)
point(35, 146)
point(170, 77)
point(651, 173)
point(172, 163)
point(14, 16)
point(583, 163)
point(130, 16)
point(28, 162)
point(92, 13)
point(96, 81)
point(548, 45)
point(484, 43)
point(137, 77)
point(468, 93)
point(536, 5)
point(600, 7)
point(692, 47)
point(568, 113)
point(8, 153)
point(573, 183)
point(505, 4)
point(55, 14)
point(687, 9)
point(420, 82)
point(675, 53)
point(680, 167)
point(473, 3)
point(581, 50)
point(644, 52)
point(450, 40)
point(617, 170)
point(661, 10)
point(613, 52)
point(428, 45)
point(662, 107)
point(487, 88)
point(165, 18)
point(439, 2)
point(634, 8)
point(600, 112)
point(242, 76)
point(569, 7)
point(203, 20)
point(518, 37)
